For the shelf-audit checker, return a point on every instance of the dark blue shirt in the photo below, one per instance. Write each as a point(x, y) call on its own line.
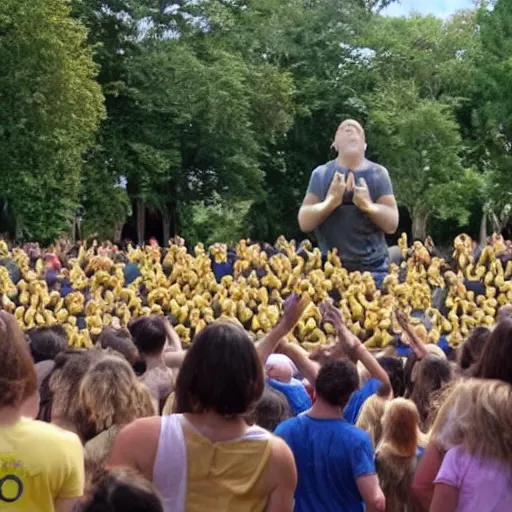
point(330, 455)
point(361, 244)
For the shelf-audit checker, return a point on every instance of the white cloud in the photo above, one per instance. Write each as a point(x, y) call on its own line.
point(441, 8)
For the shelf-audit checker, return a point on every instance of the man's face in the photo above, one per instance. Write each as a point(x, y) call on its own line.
point(350, 138)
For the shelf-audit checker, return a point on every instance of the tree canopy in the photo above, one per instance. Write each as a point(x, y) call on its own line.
point(200, 110)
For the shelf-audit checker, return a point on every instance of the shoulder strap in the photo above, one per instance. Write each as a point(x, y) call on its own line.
point(170, 471)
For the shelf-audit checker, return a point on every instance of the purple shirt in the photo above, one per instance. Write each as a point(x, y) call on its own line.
point(483, 484)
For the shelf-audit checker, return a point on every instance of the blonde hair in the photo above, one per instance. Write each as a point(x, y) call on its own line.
point(370, 417)
point(110, 395)
point(478, 416)
point(400, 428)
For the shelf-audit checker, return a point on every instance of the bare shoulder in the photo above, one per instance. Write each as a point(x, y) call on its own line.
point(281, 457)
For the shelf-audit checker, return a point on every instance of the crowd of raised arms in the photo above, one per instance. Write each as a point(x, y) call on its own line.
point(126, 400)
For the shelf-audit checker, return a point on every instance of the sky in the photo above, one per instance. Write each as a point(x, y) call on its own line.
point(441, 8)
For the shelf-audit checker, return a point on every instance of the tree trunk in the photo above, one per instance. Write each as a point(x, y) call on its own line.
point(166, 226)
point(118, 231)
point(141, 221)
point(483, 229)
point(419, 225)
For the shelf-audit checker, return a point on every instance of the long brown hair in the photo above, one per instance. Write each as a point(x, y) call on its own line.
point(496, 359)
point(18, 378)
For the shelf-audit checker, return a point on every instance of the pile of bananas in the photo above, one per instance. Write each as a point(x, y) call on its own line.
point(183, 285)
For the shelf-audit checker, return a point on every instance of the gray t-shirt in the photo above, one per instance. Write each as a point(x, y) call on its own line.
point(361, 244)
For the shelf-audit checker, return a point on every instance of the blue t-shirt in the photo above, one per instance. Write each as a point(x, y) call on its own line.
point(330, 454)
point(361, 244)
point(358, 398)
point(295, 393)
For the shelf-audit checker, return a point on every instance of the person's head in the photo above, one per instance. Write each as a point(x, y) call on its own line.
point(148, 333)
point(350, 139)
point(45, 343)
point(504, 312)
point(64, 384)
point(335, 383)
point(221, 373)
point(395, 369)
point(271, 410)
point(110, 395)
point(478, 416)
point(119, 340)
point(470, 351)
point(122, 490)
point(18, 378)
point(400, 427)
point(496, 358)
point(280, 367)
point(433, 374)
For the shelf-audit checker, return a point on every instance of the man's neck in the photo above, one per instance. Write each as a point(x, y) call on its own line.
point(9, 416)
point(353, 162)
point(323, 410)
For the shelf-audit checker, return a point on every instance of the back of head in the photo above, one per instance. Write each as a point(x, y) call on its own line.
point(400, 428)
point(271, 409)
point(119, 340)
point(64, 382)
point(18, 379)
point(45, 343)
point(123, 490)
point(496, 359)
point(221, 372)
point(478, 416)
point(471, 349)
point(370, 417)
point(110, 395)
point(395, 369)
point(433, 374)
point(336, 381)
point(148, 334)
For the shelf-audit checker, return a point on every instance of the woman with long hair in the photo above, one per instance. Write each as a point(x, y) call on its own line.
point(206, 457)
point(396, 454)
point(476, 472)
point(41, 466)
point(110, 396)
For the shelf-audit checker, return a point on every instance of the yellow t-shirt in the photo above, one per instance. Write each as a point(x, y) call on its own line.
point(39, 464)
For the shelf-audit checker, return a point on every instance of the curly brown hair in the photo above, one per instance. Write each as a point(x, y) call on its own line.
point(111, 395)
point(18, 378)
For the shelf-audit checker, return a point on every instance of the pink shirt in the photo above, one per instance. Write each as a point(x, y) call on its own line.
point(483, 484)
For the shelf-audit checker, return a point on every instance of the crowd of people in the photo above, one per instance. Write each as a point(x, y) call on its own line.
point(140, 423)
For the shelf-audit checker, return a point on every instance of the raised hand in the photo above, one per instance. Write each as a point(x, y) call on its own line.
point(336, 190)
point(362, 198)
point(294, 307)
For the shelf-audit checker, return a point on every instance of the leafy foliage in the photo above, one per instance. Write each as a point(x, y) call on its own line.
point(50, 108)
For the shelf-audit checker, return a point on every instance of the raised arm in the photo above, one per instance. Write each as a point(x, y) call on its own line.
point(353, 346)
point(293, 309)
point(314, 211)
point(307, 368)
point(417, 346)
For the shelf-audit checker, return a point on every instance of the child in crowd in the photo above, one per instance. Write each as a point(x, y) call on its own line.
point(476, 472)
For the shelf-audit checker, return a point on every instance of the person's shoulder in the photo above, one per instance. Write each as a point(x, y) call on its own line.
point(287, 426)
point(46, 432)
point(355, 435)
point(379, 170)
point(322, 170)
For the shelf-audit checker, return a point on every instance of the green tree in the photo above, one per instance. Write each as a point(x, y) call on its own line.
point(418, 140)
point(50, 110)
point(493, 112)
